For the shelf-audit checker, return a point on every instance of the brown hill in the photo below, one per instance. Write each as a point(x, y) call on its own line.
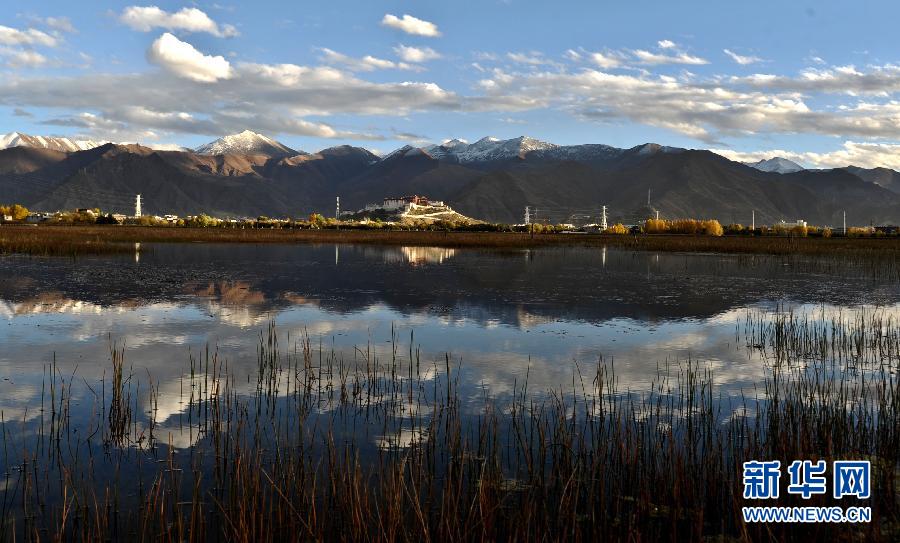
point(579, 179)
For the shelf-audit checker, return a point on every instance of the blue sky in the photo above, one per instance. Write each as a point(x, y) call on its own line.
point(816, 81)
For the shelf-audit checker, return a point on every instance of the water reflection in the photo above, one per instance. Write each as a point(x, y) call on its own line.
point(503, 316)
point(386, 328)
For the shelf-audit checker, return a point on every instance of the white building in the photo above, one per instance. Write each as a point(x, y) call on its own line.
point(404, 204)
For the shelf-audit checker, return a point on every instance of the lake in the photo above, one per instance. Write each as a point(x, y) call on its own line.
point(505, 324)
point(499, 313)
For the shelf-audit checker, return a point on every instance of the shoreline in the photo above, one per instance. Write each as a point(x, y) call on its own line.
point(74, 240)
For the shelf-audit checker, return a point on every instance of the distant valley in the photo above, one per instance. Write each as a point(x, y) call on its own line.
point(248, 174)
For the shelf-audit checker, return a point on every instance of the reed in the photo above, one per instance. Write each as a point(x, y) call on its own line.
point(76, 240)
point(318, 444)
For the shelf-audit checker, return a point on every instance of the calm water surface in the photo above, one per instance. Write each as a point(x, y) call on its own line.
point(546, 317)
point(498, 314)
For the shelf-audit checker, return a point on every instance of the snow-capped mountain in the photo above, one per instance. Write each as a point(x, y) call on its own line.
point(66, 145)
point(487, 149)
point(777, 165)
point(246, 143)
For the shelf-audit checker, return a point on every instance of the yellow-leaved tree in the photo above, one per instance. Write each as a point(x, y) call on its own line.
point(617, 228)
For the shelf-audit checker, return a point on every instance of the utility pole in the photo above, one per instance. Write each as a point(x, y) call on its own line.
point(603, 225)
point(137, 207)
point(337, 218)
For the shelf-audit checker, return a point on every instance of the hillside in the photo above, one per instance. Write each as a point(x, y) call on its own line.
point(490, 180)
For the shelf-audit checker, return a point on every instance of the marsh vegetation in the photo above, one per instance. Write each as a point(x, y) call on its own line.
point(80, 240)
point(317, 442)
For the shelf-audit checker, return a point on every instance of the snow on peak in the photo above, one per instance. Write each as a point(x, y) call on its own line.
point(454, 143)
point(490, 149)
point(246, 143)
point(399, 152)
point(66, 145)
point(487, 149)
point(776, 164)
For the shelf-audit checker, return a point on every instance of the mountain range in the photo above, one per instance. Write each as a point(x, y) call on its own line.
point(249, 174)
point(776, 164)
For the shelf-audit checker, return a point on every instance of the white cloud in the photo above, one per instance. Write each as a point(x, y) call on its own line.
point(30, 36)
point(21, 58)
point(183, 60)
point(533, 58)
point(295, 99)
point(646, 57)
point(62, 24)
point(147, 18)
point(741, 59)
point(416, 54)
point(704, 109)
point(606, 60)
point(863, 154)
point(881, 81)
point(367, 63)
point(268, 98)
point(411, 25)
point(165, 146)
point(666, 44)
point(572, 55)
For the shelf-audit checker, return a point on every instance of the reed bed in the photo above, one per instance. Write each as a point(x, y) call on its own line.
point(73, 240)
point(38, 241)
point(316, 444)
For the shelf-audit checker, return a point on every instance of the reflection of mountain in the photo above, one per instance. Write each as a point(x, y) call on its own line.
point(247, 283)
point(54, 302)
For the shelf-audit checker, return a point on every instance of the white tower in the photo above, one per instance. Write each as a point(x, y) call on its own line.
point(603, 225)
point(845, 223)
point(753, 220)
point(137, 207)
point(337, 211)
point(527, 215)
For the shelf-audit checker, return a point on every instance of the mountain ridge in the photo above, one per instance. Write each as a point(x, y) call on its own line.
point(246, 143)
point(491, 179)
point(776, 164)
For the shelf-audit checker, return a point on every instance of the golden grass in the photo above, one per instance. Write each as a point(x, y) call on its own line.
point(74, 240)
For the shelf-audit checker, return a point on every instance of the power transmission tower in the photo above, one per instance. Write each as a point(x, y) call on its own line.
point(137, 207)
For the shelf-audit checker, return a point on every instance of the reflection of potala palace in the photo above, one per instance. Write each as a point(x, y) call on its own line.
point(419, 255)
